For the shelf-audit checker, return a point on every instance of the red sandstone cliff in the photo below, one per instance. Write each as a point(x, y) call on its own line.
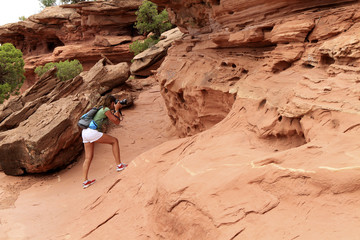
point(86, 31)
point(267, 93)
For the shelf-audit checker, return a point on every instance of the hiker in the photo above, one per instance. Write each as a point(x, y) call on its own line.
point(93, 135)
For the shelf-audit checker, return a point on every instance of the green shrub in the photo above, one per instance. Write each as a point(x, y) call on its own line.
point(5, 90)
point(43, 69)
point(47, 3)
point(11, 70)
point(68, 70)
point(149, 20)
point(139, 46)
point(65, 70)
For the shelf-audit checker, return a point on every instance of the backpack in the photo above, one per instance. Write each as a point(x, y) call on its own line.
point(87, 118)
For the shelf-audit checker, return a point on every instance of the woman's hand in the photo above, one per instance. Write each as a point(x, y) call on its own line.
point(118, 106)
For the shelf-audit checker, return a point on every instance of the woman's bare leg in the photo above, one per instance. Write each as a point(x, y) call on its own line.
point(107, 139)
point(89, 153)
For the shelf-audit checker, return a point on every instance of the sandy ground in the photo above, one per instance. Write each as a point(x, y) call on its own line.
point(32, 205)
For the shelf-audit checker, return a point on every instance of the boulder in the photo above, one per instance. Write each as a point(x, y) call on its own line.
point(151, 58)
point(106, 75)
point(47, 140)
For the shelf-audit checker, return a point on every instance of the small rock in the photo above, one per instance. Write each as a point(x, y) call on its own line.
point(327, 89)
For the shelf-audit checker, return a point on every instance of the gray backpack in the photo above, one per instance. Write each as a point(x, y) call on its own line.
point(86, 119)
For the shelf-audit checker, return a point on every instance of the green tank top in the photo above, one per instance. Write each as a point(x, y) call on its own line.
point(100, 118)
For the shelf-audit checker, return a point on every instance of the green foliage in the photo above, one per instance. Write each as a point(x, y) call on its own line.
point(5, 90)
point(140, 46)
point(11, 70)
point(22, 18)
point(47, 3)
point(40, 70)
point(65, 70)
point(68, 70)
point(148, 20)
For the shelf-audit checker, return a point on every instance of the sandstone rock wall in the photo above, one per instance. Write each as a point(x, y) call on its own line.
point(87, 31)
point(261, 50)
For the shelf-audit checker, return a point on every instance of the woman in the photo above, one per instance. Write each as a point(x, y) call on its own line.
point(94, 134)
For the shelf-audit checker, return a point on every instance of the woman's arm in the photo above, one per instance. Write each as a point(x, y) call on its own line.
point(114, 117)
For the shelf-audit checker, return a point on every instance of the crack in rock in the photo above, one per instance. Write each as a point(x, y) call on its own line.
point(98, 226)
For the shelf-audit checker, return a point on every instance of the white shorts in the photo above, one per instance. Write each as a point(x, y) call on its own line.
point(90, 135)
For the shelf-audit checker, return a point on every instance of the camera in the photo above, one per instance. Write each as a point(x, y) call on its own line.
point(122, 102)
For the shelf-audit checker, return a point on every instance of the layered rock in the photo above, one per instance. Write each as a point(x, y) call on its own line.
point(39, 129)
point(149, 60)
point(234, 61)
point(87, 31)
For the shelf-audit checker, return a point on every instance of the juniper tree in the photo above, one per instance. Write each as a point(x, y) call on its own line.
point(11, 70)
point(47, 3)
point(149, 20)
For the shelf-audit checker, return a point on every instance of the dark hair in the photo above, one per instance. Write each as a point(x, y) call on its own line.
point(108, 100)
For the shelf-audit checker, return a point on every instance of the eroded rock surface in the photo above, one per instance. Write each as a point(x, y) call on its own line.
point(149, 60)
point(291, 61)
point(86, 31)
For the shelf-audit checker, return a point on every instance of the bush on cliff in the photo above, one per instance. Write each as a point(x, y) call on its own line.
point(141, 45)
point(11, 70)
point(65, 70)
point(47, 3)
point(149, 20)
